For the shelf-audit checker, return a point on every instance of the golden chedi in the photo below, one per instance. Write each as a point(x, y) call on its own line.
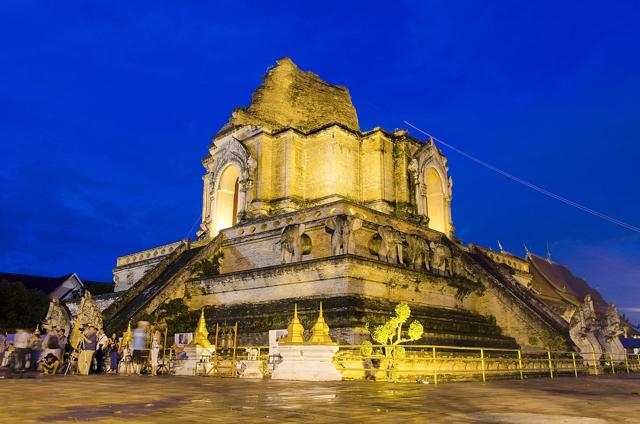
point(295, 330)
point(127, 337)
point(320, 331)
point(201, 334)
point(303, 204)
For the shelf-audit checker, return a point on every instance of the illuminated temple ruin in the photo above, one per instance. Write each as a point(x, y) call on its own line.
point(305, 206)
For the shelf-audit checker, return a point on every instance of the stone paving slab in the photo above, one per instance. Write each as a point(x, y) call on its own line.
point(135, 399)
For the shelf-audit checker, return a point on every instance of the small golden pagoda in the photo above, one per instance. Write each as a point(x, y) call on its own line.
point(320, 331)
point(201, 335)
point(295, 330)
point(126, 337)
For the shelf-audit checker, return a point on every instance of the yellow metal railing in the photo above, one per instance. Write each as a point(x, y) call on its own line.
point(435, 363)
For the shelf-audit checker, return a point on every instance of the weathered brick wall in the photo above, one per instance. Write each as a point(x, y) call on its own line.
point(291, 97)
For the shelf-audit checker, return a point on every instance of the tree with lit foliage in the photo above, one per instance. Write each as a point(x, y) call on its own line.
point(390, 336)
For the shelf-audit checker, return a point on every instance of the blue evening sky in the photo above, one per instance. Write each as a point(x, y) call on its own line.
point(107, 107)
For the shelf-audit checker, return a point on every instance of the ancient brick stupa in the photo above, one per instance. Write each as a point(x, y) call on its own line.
point(306, 206)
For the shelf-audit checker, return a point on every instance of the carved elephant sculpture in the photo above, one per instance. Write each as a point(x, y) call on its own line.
point(391, 246)
point(343, 239)
point(291, 243)
point(418, 250)
point(441, 258)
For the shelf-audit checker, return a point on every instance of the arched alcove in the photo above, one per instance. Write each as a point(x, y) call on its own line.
point(226, 212)
point(435, 199)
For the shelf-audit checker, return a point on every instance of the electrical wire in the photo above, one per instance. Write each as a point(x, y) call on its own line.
point(530, 185)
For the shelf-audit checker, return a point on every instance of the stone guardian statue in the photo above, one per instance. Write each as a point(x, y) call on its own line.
point(582, 330)
point(610, 336)
point(58, 317)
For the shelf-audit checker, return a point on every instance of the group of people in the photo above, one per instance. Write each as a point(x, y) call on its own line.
point(93, 353)
point(32, 351)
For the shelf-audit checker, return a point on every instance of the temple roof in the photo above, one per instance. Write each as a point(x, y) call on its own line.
point(564, 281)
point(35, 282)
point(290, 97)
point(50, 285)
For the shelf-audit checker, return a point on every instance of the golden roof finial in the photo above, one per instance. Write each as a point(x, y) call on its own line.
point(201, 335)
point(295, 330)
point(320, 331)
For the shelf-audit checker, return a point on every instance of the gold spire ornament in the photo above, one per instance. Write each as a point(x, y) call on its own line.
point(201, 335)
point(126, 337)
point(295, 330)
point(320, 331)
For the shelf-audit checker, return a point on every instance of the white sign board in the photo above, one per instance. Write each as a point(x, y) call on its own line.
point(183, 339)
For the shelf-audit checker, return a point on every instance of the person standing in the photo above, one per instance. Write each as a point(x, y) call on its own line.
point(139, 336)
point(103, 344)
point(89, 340)
point(4, 346)
point(155, 351)
point(36, 349)
point(114, 354)
point(62, 340)
point(21, 343)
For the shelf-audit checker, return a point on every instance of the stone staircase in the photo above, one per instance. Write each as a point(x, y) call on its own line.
point(512, 288)
point(156, 286)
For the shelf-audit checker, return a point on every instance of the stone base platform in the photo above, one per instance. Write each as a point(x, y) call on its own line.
point(307, 363)
point(347, 317)
point(196, 357)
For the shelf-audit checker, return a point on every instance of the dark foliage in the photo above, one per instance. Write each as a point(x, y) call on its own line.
point(208, 267)
point(176, 315)
point(21, 307)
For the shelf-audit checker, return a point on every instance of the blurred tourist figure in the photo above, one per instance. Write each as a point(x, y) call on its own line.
point(36, 350)
point(178, 352)
point(50, 364)
point(125, 354)
point(10, 356)
point(4, 346)
point(114, 353)
point(155, 351)
point(103, 344)
point(139, 336)
point(22, 346)
point(89, 339)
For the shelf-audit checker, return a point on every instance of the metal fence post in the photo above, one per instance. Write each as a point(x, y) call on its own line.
point(550, 363)
point(595, 363)
point(613, 366)
point(433, 362)
point(520, 364)
point(626, 360)
point(575, 369)
point(484, 377)
point(435, 369)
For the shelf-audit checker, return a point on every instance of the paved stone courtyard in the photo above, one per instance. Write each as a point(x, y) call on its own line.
point(109, 399)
